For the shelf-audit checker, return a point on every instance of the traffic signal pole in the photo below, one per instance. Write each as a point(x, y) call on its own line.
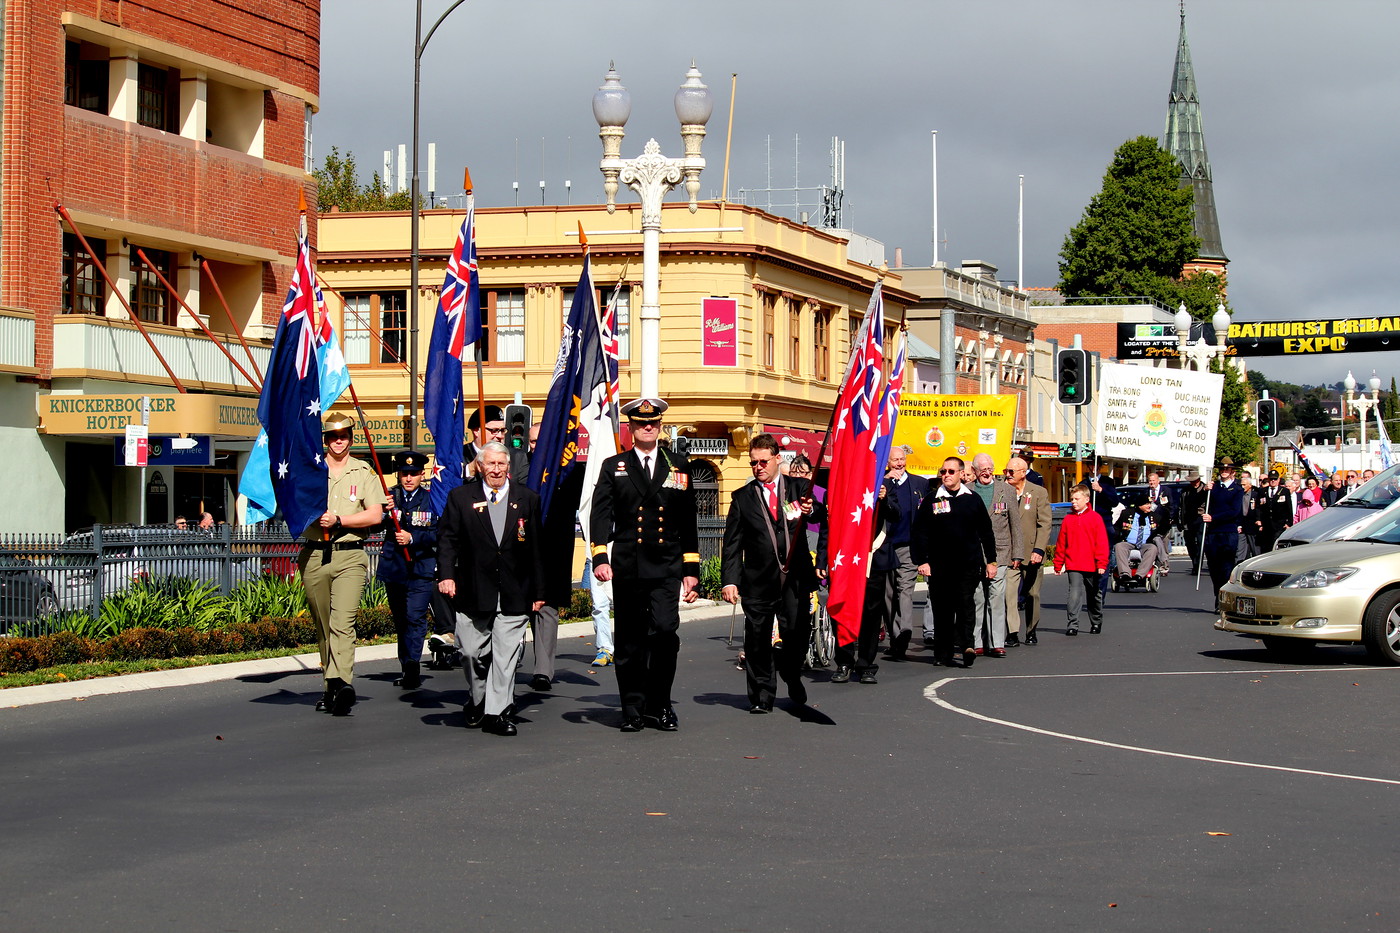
point(1078, 428)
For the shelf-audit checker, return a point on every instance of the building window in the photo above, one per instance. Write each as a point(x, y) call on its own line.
point(795, 335)
point(891, 349)
point(769, 312)
point(155, 99)
point(149, 298)
point(84, 291)
point(622, 323)
point(85, 77)
point(821, 340)
point(503, 319)
point(376, 327)
point(308, 162)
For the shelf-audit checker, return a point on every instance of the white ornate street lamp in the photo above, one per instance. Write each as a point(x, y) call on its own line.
point(1201, 352)
point(1362, 405)
point(651, 175)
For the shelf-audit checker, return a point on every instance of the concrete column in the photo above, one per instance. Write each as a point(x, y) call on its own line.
point(119, 268)
point(186, 282)
point(122, 84)
point(194, 106)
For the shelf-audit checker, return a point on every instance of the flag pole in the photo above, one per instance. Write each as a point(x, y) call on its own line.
point(135, 319)
point(204, 264)
point(480, 378)
point(378, 471)
point(302, 244)
point(145, 260)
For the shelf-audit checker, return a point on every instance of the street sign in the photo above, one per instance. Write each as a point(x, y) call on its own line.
point(195, 450)
point(134, 449)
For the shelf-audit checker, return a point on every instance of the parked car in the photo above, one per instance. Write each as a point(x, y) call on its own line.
point(131, 554)
point(1326, 591)
point(1350, 514)
point(25, 594)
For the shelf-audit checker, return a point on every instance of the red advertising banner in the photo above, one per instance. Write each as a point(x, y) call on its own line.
point(719, 337)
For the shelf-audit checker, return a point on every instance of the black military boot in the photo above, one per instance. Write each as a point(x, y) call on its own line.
point(327, 700)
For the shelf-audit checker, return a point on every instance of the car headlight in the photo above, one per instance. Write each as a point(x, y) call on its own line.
point(1313, 579)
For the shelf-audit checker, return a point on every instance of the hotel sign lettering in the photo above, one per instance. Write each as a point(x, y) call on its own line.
point(227, 416)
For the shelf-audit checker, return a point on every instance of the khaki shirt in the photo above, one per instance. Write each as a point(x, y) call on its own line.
point(354, 490)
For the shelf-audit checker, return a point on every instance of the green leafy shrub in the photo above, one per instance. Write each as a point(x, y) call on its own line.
point(709, 578)
point(580, 606)
point(374, 594)
point(269, 595)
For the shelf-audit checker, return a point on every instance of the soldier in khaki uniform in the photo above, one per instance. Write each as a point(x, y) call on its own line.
point(333, 562)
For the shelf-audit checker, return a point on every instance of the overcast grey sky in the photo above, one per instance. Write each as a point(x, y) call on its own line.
point(1301, 115)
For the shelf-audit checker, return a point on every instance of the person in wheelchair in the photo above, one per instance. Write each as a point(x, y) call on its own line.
point(1140, 529)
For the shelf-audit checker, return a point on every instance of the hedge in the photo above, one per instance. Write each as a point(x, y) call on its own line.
point(21, 655)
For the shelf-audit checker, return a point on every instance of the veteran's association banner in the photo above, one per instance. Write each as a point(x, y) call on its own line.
point(941, 426)
point(1158, 415)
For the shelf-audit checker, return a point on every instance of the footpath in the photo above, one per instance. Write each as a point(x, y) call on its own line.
point(700, 610)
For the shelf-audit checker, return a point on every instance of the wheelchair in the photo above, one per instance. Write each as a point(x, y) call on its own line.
point(1124, 581)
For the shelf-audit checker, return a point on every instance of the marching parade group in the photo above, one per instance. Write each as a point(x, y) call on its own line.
point(489, 567)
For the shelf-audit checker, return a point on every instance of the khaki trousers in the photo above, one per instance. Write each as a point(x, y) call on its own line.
point(334, 582)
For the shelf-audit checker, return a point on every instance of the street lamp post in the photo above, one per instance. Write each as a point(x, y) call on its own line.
point(1200, 352)
point(1363, 406)
point(420, 42)
point(651, 175)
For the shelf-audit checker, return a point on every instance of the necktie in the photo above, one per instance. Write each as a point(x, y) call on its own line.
point(772, 499)
point(646, 465)
point(1138, 530)
point(493, 497)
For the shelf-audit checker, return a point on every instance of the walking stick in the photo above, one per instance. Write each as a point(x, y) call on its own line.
point(733, 613)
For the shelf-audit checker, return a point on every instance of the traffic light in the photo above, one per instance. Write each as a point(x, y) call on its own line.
point(518, 427)
point(1072, 380)
point(1266, 417)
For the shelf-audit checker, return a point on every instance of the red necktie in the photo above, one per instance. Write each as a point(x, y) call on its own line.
point(772, 499)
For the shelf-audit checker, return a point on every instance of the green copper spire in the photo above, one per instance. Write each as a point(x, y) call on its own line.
point(1186, 140)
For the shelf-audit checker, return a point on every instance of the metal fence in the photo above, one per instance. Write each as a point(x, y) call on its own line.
point(43, 575)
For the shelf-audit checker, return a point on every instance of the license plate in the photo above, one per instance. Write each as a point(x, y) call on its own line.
point(1244, 605)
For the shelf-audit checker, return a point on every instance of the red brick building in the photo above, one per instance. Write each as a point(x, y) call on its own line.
point(180, 130)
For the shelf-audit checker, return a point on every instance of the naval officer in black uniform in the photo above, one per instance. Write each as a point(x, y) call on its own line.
point(408, 564)
point(644, 506)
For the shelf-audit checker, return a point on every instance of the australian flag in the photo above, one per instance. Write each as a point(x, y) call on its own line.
point(456, 326)
point(290, 406)
point(578, 396)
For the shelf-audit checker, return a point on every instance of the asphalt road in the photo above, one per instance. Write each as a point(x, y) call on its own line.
point(1160, 776)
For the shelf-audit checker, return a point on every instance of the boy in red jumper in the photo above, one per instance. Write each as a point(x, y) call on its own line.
point(1082, 549)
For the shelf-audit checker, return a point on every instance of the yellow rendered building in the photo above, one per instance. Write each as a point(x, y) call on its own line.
point(796, 295)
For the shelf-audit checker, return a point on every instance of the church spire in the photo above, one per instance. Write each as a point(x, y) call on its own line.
point(1185, 139)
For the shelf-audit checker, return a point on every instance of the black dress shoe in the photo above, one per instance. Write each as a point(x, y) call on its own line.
point(342, 701)
point(969, 655)
point(324, 704)
point(867, 676)
point(1013, 639)
point(498, 725)
point(633, 724)
point(540, 682)
point(666, 720)
point(842, 674)
point(412, 677)
point(945, 659)
point(1031, 639)
point(758, 708)
point(797, 691)
point(1071, 631)
point(1095, 628)
point(475, 715)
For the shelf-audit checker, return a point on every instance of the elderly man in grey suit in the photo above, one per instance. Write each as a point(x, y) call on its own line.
point(1023, 582)
point(990, 600)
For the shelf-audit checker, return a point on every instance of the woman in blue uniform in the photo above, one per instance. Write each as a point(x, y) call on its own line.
point(408, 564)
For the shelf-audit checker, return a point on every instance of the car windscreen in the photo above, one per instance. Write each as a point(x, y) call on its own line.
point(1377, 492)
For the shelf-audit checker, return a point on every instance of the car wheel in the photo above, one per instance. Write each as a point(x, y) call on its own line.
point(1287, 649)
point(46, 605)
point(1380, 629)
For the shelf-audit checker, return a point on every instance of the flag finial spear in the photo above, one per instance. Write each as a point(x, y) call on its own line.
point(582, 237)
point(466, 180)
point(301, 200)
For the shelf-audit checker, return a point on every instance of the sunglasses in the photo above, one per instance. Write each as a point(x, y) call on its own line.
point(948, 472)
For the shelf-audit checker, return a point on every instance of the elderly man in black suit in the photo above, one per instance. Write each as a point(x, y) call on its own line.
point(765, 559)
point(489, 564)
point(644, 507)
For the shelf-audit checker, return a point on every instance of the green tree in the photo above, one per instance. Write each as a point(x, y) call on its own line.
point(338, 186)
point(1237, 437)
point(1136, 234)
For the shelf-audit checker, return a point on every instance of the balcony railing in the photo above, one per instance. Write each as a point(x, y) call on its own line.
point(16, 341)
point(84, 345)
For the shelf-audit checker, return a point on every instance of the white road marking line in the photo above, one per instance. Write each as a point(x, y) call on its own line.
point(931, 693)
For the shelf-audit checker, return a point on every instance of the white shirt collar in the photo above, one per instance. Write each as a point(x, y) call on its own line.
point(944, 494)
point(501, 494)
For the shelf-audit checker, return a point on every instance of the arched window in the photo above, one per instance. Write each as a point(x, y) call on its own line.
point(706, 480)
